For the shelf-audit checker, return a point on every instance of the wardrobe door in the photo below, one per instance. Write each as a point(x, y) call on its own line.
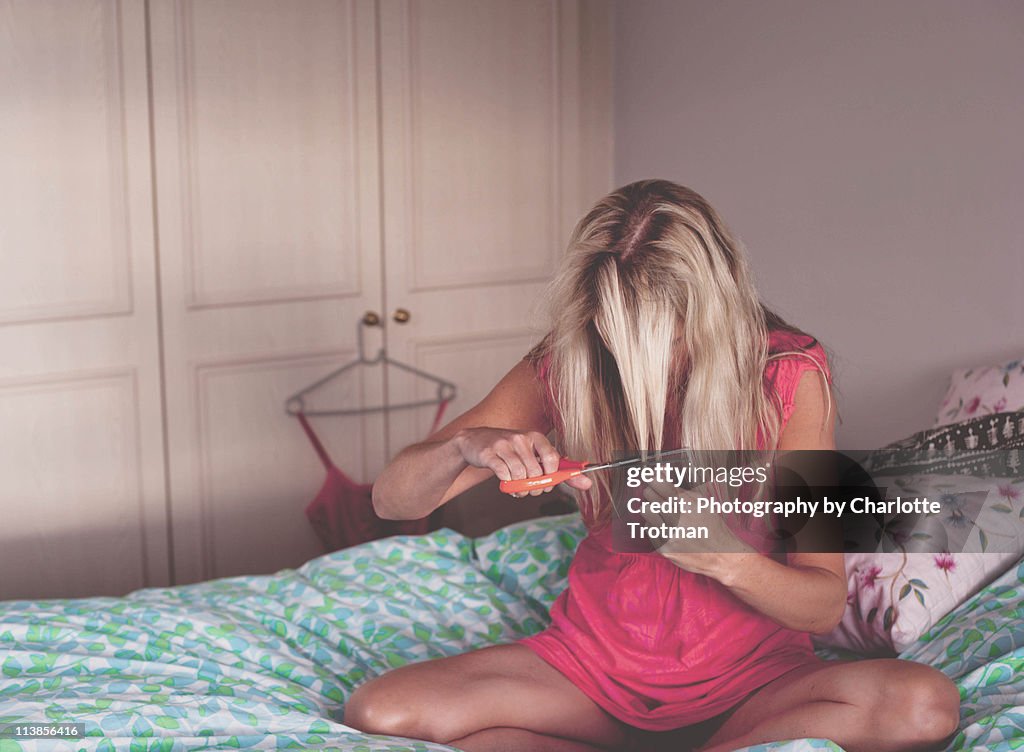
point(496, 139)
point(81, 456)
point(265, 123)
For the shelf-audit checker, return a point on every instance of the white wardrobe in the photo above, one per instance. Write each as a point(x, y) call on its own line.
point(200, 199)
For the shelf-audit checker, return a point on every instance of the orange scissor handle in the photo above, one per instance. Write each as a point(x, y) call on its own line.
point(566, 469)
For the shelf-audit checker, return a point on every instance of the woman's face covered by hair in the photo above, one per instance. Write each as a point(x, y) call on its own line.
point(658, 339)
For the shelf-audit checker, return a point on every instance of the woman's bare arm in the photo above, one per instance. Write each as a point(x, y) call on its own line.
point(504, 435)
point(809, 593)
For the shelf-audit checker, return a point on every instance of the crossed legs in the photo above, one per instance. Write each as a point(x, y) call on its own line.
point(505, 698)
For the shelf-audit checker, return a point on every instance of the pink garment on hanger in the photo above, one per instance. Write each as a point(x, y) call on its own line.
point(342, 511)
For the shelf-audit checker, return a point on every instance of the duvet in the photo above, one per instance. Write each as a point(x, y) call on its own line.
point(267, 662)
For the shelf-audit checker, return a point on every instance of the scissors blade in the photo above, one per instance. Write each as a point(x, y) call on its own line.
point(652, 457)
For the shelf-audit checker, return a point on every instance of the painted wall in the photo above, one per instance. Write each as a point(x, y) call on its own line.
point(868, 154)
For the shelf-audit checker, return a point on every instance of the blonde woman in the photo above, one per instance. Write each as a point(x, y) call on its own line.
point(658, 340)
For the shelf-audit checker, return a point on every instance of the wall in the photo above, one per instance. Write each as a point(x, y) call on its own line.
point(869, 156)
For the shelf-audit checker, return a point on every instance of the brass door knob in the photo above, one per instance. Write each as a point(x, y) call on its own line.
point(401, 316)
point(371, 318)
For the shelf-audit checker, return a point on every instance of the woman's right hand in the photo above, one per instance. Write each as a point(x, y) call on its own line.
point(513, 455)
point(470, 450)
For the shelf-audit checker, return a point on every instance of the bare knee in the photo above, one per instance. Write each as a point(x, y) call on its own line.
point(921, 705)
point(934, 708)
point(376, 708)
point(369, 710)
point(395, 707)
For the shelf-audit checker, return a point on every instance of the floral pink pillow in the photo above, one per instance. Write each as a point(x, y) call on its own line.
point(982, 391)
point(893, 598)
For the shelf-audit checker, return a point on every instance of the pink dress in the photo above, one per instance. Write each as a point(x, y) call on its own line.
point(656, 646)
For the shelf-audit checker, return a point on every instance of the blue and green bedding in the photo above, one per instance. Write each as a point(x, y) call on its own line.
point(267, 662)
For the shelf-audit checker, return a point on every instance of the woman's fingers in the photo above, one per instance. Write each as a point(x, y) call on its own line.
point(545, 451)
point(527, 455)
point(516, 469)
point(546, 455)
point(495, 464)
point(521, 462)
point(580, 483)
point(516, 455)
point(524, 446)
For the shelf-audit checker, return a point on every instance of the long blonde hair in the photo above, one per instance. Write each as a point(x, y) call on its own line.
point(657, 337)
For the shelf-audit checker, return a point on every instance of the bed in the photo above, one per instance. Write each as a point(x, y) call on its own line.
point(267, 662)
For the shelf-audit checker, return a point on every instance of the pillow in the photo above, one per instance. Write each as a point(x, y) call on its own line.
point(982, 391)
point(987, 446)
point(893, 597)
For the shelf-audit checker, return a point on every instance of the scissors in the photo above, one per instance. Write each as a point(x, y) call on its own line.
point(568, 468)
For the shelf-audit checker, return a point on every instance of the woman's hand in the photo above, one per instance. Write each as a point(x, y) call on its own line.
point(468, 451)
point(512, 455)
point(721, 556)
point(807, 594)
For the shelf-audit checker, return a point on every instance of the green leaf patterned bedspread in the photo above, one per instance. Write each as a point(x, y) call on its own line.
point(267, 662)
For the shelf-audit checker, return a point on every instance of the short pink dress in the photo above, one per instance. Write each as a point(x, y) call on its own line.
point(660, 648)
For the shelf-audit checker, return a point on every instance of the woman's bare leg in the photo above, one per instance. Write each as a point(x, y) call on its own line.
point(504, 688)
point(884, 705)
point(514, 740)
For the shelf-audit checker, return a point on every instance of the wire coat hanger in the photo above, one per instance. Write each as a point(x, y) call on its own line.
point(295, 405)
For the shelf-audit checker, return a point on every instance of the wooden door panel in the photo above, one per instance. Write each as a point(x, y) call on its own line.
point(268, 91)
point(258, 470)
point(267, 176)
point(481, 97)
point(61, 80)
point(483, 357)
point(488, 162)
point(81, 453)
point(74, 506)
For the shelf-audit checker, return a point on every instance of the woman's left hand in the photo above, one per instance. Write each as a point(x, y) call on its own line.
point(721, 555)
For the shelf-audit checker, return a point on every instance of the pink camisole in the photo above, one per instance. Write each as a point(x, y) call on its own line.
point(656, 646)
